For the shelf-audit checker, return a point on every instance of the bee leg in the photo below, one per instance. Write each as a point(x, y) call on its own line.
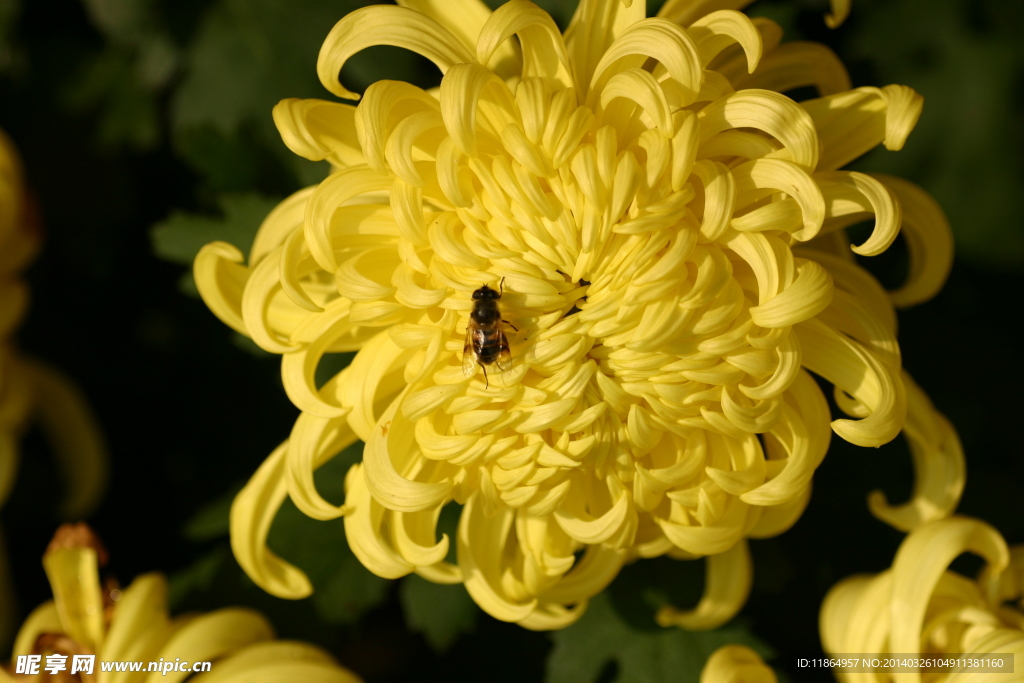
point(487, 382)
point(510, 325)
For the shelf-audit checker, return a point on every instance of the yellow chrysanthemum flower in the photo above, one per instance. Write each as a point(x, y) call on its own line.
point(133, 625)
point(919, 606)
point(30, 390)
point(666, 230)
point(736, 664)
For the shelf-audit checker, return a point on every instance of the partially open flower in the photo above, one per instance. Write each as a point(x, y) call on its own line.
point(919, 606)
point(133, 625)
point(666, 231)
point(736, 664)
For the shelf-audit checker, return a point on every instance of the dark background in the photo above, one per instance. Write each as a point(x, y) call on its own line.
point(135, 113)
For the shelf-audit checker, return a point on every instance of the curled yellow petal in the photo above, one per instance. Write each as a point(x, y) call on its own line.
point(777, 519)
point(541, 42)
point(853, 122)
point(662, 41)
point(708, 539)
point(770, 112)
point(593, 529)
point(252, 513)
point(316, 130)
point(386, 478)
point(263, 323)
point(384, 106)
point(280, 224)
point(840, 608)
point(840, 10)
point(363, 529)
point(757, 176)
point(339, 188)
point(939, 470)
point(462, 90)
point(809, 294)
point(736, 664)
point(929, 240)
point(856, 371)
point(719, 197)
point(715, 31)
point(220, 279)
point(594, 26)
point(379, 365)
point(313, 442)
point(801, 435)
point(640, 87)
point(853, 196)
point(383, 25)
point(466, 19)
point(479, 537)
point(729, 576)
point(920, 562)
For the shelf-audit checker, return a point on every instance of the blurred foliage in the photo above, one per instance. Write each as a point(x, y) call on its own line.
point(9, 12)
point(123, 82)
point(967, 60)
point(441, 613)
point(146, 130)
point(179, 238)
point(604, 646)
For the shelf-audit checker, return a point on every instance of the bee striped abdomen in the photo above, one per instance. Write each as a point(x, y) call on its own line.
point(486, 343)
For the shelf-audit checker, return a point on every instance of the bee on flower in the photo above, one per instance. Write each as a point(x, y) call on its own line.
point(669, 229)
point(486, 343)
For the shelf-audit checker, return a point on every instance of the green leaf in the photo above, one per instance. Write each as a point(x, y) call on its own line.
point(179, 238)
point(198, 576)
point(441, 613)
point(123, 82)
point(250, 54)
point(212, 520)
point(227, 162)
point(127, 109)
point(347, 589)
point(603, 638)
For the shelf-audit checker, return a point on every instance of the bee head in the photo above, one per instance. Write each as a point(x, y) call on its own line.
point(485, 293)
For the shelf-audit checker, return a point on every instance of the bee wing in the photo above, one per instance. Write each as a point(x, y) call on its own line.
point(504, 359)
point(468, 355)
